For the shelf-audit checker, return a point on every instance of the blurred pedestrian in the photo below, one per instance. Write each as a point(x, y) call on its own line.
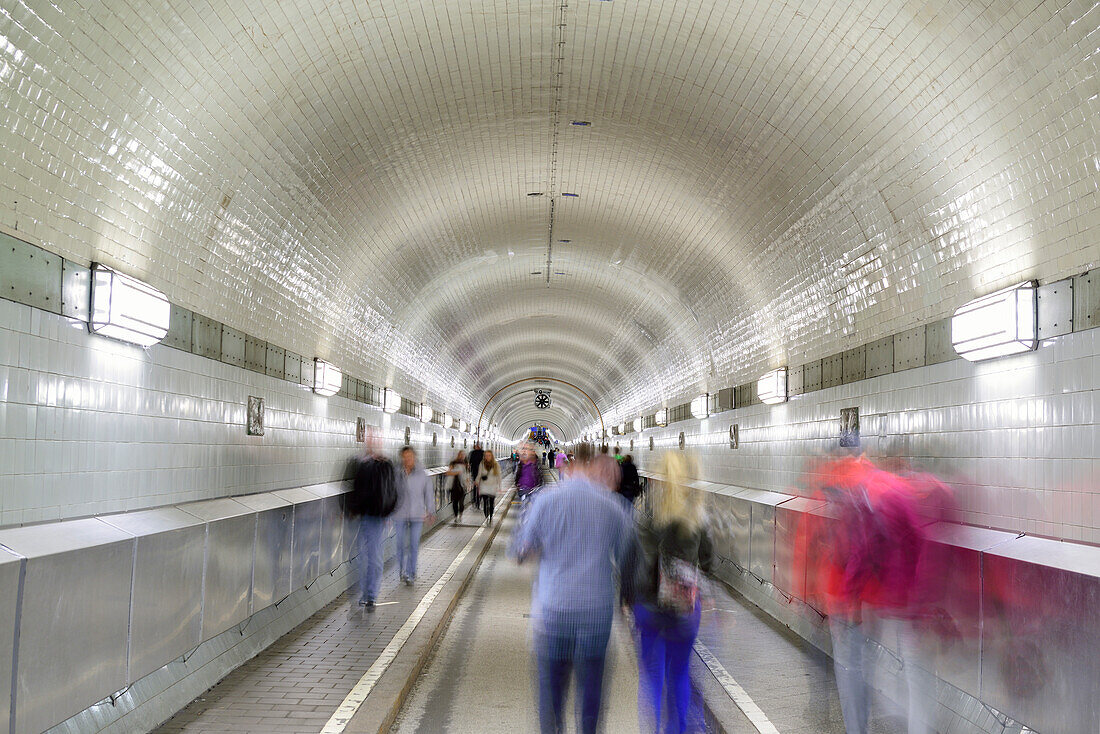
point(559, 464)
point(458, 484)
point(489, 481)
point(416, 504)
point(475, 465)
point(605, 472)
point(373, 499)
point(579, 533)
point(528, 475)
point(630, 484)
point(618, 455)
point(674, 552)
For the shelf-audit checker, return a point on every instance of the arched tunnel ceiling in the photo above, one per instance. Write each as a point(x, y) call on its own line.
point(760, 183)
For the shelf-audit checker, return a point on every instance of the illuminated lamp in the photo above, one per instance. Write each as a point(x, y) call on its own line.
point(622, 428)
point(326, 378)
point(637, 425)
point(391, 401)
point(661, 417)
point(426, 413)
point(997, 325)
point(772, 387)
point(463, 426)
point(447, 420)
point(700, 406)
point(126, 309)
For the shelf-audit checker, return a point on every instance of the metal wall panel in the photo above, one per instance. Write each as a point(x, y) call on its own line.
point(937, 342)
point(1055, 309)
point(276, 357)
point(854, 363)
point(1086, 300)
point(292, 366)
point(794, 380)
point(789, 516)
point(880, 357)
point(725, 399)
point(762, 530)
point(76, 291)
point(166, 603)
point(29, 274)
point(227, 569)
point(909, 349)
point(1039, 633)
point(206, 336)
point(811, 379)
point(74, 620)
point(272, 558)
point(9, 600)
point(179, 329)
point(255, 354)
point(832, 371)
point(232, 348)
point(306, 545)
point(740, 525)
point(332, 526)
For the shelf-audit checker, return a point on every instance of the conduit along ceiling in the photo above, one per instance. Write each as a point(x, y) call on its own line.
point(648, 199)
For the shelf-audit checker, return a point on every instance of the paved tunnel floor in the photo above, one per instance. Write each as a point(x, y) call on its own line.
point(480, 678)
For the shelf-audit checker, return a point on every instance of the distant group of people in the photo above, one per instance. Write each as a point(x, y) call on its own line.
point(478, 475)
point(585, 535)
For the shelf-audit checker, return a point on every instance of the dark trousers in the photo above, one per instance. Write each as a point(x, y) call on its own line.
point(563, 642)
point(488, 504)
point(664, 656)
point(458, 503)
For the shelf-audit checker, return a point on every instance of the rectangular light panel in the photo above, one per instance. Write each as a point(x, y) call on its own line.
point(997, 325)
point(391, 401)
point(426, 413)
point(700, 406)
point(772, 387)
point(661, 417)
point(124, 308)
point(327, 379)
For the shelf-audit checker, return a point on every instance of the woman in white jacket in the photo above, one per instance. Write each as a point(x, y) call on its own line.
point(489, 484)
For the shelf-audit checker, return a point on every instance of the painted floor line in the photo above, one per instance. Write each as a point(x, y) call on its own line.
point(748, 707)
point(350, 705)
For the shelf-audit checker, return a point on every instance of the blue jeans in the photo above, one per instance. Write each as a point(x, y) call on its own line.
point(850, 663)
point(564, 640)
point(408, 544)
point(664, 657)
point(372, 531)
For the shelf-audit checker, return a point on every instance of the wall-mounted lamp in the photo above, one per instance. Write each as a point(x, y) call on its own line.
point(997, 325)
point(327, 379)
point(447, 420)
point(772, 387)
point(426, 413)
point(391, 401)
point(463, 426)
point(637, 425)
point(661, 417)
point(124, 308)
point(700, 406)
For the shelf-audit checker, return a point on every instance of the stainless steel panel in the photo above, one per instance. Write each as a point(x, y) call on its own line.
point(306, 545)
point(1086, 300)
point(271, 568)
point(1039, 633)
point(1055, 308)
point(275, 361)
point(76, 290)
point(255, 354)
point(332, 526)
point(740, 530)
point(72, 635)
point(937, 342)
point(292, 367)
point(347, 387)
point(206, 336)
point(762, 530)
point(811, 379)
point(795, 385)
point(29, 274)
point(232, 348)
point(179, 329)
point(854, 364)
point(909, 349)
point(725, 399)
point(227, 567)
point(166, 603)
point(880, 357)
point(362, 391)
point(9, 599)
point(789, 516)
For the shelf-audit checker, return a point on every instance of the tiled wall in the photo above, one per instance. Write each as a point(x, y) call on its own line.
point(1018, 438)
point(89, 425)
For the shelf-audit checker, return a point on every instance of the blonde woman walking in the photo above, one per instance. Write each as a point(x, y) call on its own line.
point(674, 550)
point(488, 483)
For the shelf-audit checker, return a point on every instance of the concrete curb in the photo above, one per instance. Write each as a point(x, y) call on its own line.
point(382, 706)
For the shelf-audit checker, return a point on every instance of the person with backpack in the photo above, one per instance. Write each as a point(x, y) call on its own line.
point(674, 550)
point(415, 506)
point(373, 499)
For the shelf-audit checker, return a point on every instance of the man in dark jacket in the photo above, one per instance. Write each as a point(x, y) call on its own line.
point(630, 485)
point(475, 463)
point(374, 500)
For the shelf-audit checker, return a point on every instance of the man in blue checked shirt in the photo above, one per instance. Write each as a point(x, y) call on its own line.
point(580, 533)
